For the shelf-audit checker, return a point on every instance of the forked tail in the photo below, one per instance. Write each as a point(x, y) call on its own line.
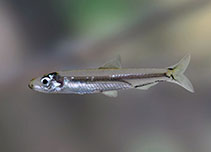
point(176, 73)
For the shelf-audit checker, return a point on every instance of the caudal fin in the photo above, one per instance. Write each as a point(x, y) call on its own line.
point(176, 72)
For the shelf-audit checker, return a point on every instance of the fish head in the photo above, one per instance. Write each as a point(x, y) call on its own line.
point(50, 83)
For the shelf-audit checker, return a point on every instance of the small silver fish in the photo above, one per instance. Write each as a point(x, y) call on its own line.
point(110, 78)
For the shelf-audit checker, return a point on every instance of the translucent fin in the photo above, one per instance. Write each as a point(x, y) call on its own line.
point(183, 81)
point(110, 93)
point(146, 87)
point(181, 67)
point(176, 73)
point(113, 64)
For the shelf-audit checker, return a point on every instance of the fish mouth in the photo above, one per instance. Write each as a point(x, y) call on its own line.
point(31, 85)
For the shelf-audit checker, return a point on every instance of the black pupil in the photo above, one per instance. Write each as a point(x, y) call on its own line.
point(45, 81)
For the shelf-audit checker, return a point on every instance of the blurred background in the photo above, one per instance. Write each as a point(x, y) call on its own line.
point(37, 37)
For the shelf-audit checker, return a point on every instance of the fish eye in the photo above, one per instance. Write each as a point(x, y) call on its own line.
point(45, 81)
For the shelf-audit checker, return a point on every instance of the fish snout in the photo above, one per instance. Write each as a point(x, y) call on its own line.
point(31, 85)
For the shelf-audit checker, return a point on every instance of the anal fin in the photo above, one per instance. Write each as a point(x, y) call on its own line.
point(146, 86)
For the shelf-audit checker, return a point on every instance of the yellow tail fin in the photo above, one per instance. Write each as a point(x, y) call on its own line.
point(176, 72)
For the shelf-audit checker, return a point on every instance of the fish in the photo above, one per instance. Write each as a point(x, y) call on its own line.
point(111, 78)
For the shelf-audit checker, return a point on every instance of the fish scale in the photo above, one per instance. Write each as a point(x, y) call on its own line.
point(93, 87)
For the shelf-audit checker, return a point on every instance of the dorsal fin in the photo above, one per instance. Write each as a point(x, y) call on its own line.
point(113, 64)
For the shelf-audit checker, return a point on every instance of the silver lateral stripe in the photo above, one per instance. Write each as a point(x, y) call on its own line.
point(118, 77)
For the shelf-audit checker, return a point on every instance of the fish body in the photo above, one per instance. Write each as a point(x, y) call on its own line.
point(110, 78)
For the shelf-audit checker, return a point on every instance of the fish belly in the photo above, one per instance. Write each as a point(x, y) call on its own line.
point(95, 87)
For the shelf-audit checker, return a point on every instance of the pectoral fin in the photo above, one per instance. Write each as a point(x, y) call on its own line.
point(146, 87)
point(110, 93)
point(113, 64)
